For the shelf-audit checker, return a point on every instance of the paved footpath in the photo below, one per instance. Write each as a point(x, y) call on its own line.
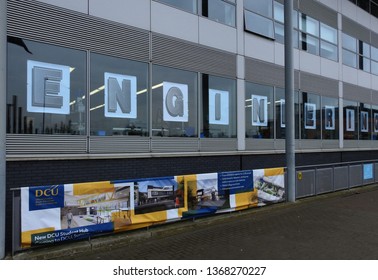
point(341, 226)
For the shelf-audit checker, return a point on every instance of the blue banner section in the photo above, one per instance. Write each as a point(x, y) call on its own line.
point(70, 234)
point(46, 197)
point(235, 182)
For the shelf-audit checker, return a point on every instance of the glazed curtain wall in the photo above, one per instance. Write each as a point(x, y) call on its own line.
point(59, 91)
point(53, 214)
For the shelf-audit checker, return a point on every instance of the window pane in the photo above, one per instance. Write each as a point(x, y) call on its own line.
point(349, 43)
point(46, 89)
point(259, 111)
point(374, 122)
point(330, 117)
point(218, 107)
point(364, 49)
point(349, 59)
point(310, 44)
point(328, 50)
point(262, 7)
point(118, 96)
point(364, 63)
point(174, 102)
point(364, 121)
point(279, 105)
point(187, 5)
point(309, 25)
point(279, 33)
point(374, 53)
point(258, 24)
point(374, 67)
point(350, 120)
point(222, 12)
point(279, 12)
point(310, 117)
point(328, 33)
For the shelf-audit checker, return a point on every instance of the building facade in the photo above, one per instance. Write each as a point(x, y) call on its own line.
point(107, 90)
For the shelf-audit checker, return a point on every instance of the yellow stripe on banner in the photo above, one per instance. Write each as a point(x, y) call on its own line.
point(273, 171)
point(246, 199)
point(93, 188)
point(26, 235)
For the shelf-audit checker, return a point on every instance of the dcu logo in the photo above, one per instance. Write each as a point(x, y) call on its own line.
point(46, 197)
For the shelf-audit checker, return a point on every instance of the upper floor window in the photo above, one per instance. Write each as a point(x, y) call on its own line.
point(187, 5)
point(258, 17)
point(358, 54)
point(223, 11)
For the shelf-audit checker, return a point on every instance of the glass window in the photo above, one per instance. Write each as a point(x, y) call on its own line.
point(279, 105)
point(118, 96)
point(309, 25)
point(222, 11)
point(279, 33)
point(262, 7)
point(374, 67)
point(279, 14)
point(349, 43)
point(328, 33)
point(174, 102)
point(374, 53)
point(259, 111)
point(328, 50)
point(46, 91)
point(218, 107)
point(187, 5)
point(364, 121)
point(350, 119)
point(349, 58)
point(310, 44)
point(259, 24)
point(374, 122)
point(330, 118)
point(310, 116)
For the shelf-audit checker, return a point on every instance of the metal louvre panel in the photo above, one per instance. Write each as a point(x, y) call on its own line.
point(317, 84)
point(319, 12)
point(210, 144)
point(259, 144)
point(356, 93)
point(167, 144)
point(356, 30)
point(374, 39)
point(122, 144)
point(374, 97)
point(185, 55)
point(41, 22)
point(264, 72)
point(45, 144)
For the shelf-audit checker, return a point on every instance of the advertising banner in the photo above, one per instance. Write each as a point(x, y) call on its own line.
point(57, 213)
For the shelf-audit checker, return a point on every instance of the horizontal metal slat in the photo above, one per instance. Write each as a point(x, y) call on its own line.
point(115, 144)
point(45, 144)
point(220, 144)
point(166, 144)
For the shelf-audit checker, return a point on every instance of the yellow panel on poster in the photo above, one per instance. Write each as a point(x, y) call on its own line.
point(273, 171)
point(246, 199)
point(93, 188)
point(26, 235)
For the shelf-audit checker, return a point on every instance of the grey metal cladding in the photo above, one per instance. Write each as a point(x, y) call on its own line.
point(42, 22)
point(45, 144)
point(167, 51)
point(320, 85)
point(356, 93)
point(319, 12)
point(295, 3)
point(356, 30)
point(374, 39)
point(264, 72)
point(374, 97)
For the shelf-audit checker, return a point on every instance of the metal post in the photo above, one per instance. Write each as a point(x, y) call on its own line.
point(289, 100)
